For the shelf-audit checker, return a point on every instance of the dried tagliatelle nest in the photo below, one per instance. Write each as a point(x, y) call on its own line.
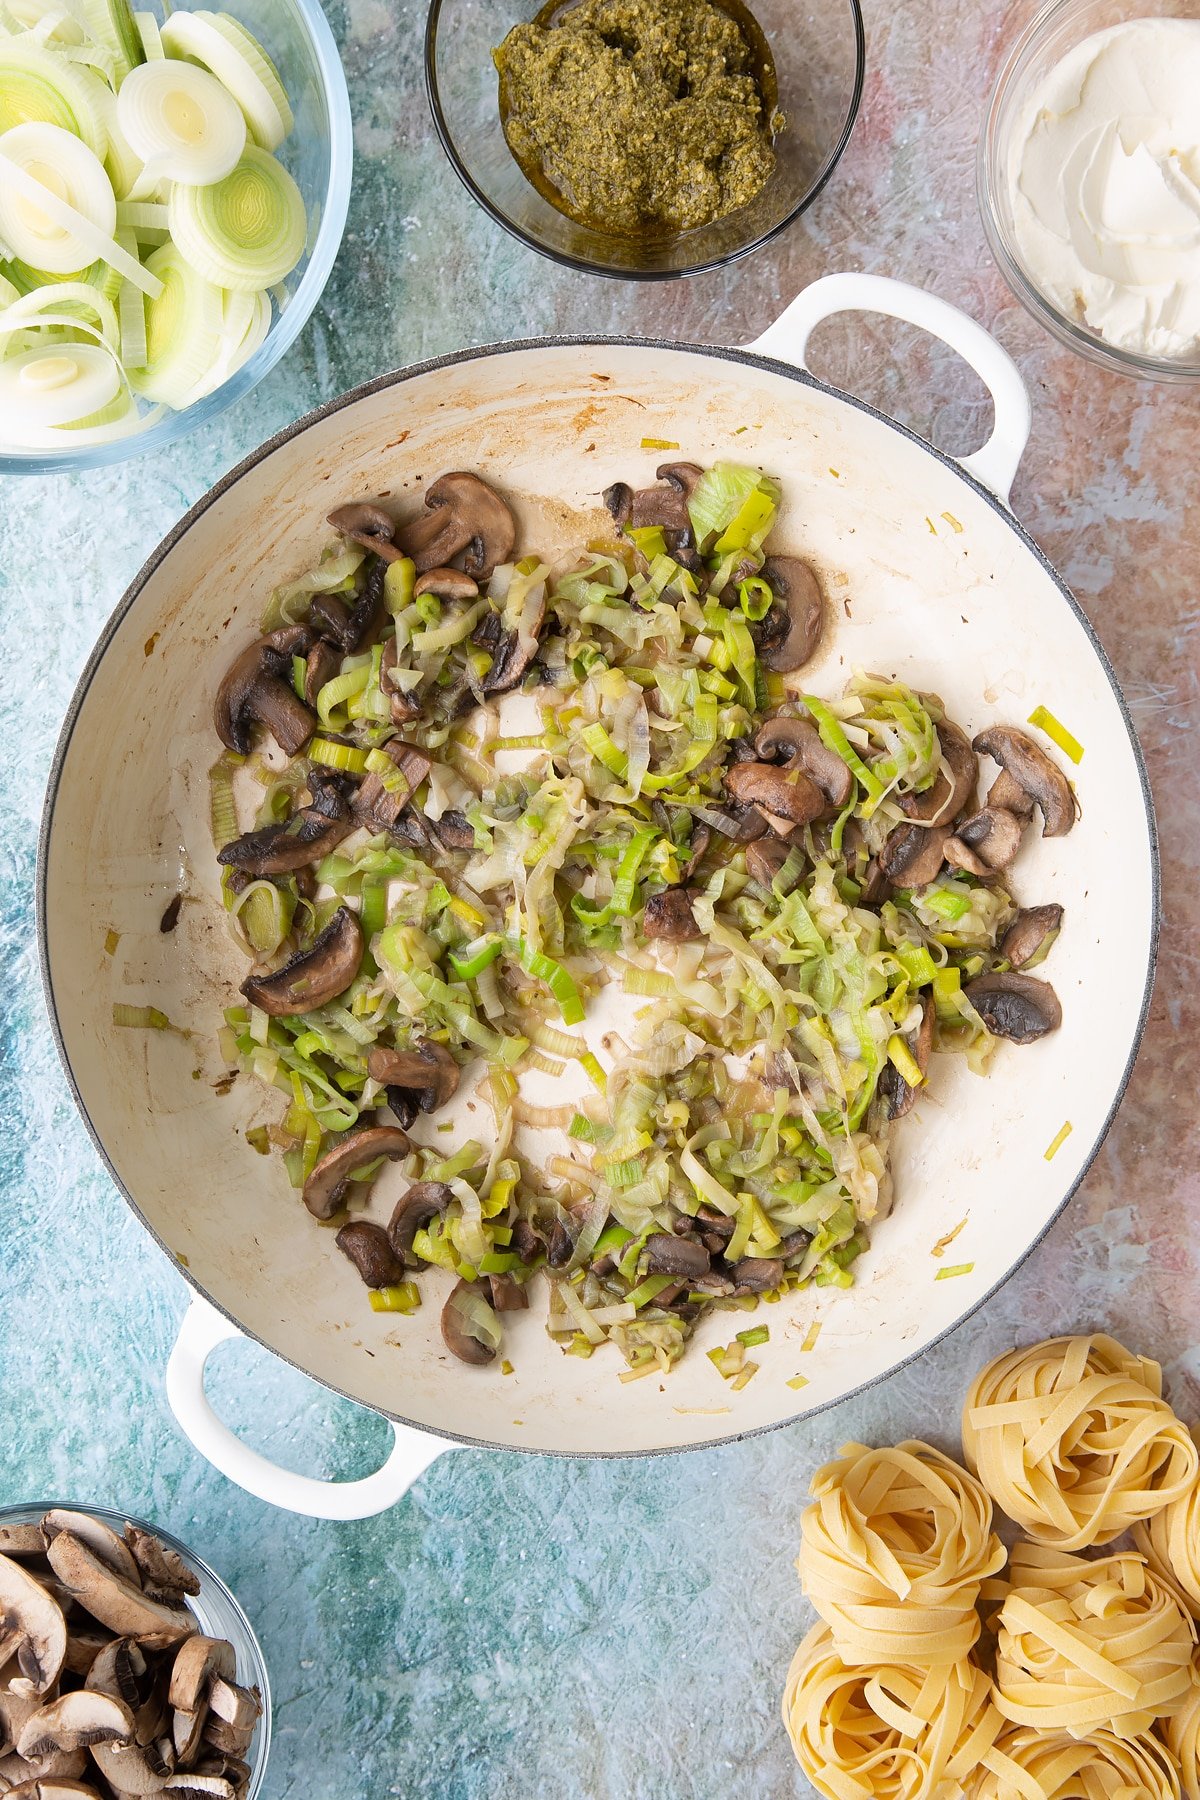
point(1084, 1681)
point(1056, 1766)
point(1073, 1439)
point(890, 1731)
point(1081, 1644)
point(894, 1552)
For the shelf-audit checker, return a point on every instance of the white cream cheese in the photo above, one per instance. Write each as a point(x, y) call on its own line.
point(1104, 183)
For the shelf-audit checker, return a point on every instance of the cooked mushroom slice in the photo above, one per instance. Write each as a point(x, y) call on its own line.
point(368, 525)
point(327, 1184)
point(447, 584)
point(423, 1201)
point(892, 1085)
point(985, 843)
point(350, 626)
point(370, 1250)
point(196, 1664)
point(670, 1255)
point(1032, 769)
point(74, 1722)
point(946, 799)
point(1031, 935)
point(788, 635)
point(428, 1072)
point(403, 702)
point(798, 745)
point(508, 1294)
point(669, 915)
point(464, 514)
point(32, 1627)
point(512, 652)
point(1006, 791)
point(135, 1768)
point(470, 1328)
point(381, 799)
point(765, 859)
point(315, 975)
point(321, 665)
point(784, 795)
point(743, 824)
point(912, 855)
point(453, 831)
point(258, 689)
point(116, 1602)
point(1017, 1007)
point(22, 1540)
point(757, 1274)
point(297, 842)
point(164, 1574)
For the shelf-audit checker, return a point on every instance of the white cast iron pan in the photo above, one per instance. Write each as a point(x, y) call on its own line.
point(928, 576)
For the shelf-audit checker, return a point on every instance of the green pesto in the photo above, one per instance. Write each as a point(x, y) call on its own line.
point(641, 117)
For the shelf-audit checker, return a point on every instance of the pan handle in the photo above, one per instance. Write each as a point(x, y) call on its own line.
point(202, 1330)
point(995, 464)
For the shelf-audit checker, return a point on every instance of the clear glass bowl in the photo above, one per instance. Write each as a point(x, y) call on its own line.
point(1044, 42)
point(319, 153)
point(217, 1613)
point(819, 51)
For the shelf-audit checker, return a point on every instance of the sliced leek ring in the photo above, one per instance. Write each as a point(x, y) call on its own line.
point(131, 316)
point(35, 216)
point(182, 122)
point(246, 232)
point(60, 303)
point(57, 383)
point(194, 35)
point(47, 20)
point(62, 167)
point(8, 293)
point(110, 23)
point(148, 31)
point(183, 330)
point(235, 33)
point(122, 164)
point(99, 275)
point(246, 322)
point(38, 87)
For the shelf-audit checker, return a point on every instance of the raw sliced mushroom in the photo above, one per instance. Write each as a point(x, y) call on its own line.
point(237, 1706)
point(116, 1602)
point(84, 1644)
point(470, 1328)
point(298, 842)
point(197, 1663)
point(783, 795)
point(447, 584)
point(367, 524)
point(1017, 1007)
point(985, 843)
point(63, 1765)
point(22, 1540)
point(75, 1721)
point(191, 1785)
point(425, 1200)
point(424, 1078)
point(669, 916)
point(123, 1670)
point(787, 636)
point(464, 514)
point(52, 1787)
point(892, 1085)
point(798, 745)
point(314, 976)
point(325, 1187)
point(164, 1575)
point(1031, 935)
point(370, 1250)
point(32, 1627)
point(942, 803)
point(135, 1768)
point(258, 690)
point(14, 1710)
point(100, 1539)
point(1030, 767)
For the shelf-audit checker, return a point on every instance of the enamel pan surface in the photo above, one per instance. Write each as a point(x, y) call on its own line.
point(927, 577)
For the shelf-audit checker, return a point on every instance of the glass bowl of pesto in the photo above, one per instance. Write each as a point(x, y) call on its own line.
point(645, 139)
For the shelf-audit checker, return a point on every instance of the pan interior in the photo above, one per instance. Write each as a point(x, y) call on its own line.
point(926, 578)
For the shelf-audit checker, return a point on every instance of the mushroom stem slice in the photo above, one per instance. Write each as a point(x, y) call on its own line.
point(316, 975)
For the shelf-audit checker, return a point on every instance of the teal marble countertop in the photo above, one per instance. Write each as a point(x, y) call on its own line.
point(608, 1630)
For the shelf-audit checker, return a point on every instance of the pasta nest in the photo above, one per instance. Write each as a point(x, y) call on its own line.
point(1073, 1440)
point(1082, 1644)
point(888, 1731)
point(1170, 1542)
point(894, 1551)
point(1031, 1765)
point(1182, 1734)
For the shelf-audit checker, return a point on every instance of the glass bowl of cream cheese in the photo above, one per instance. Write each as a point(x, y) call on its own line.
point(1089, 180)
